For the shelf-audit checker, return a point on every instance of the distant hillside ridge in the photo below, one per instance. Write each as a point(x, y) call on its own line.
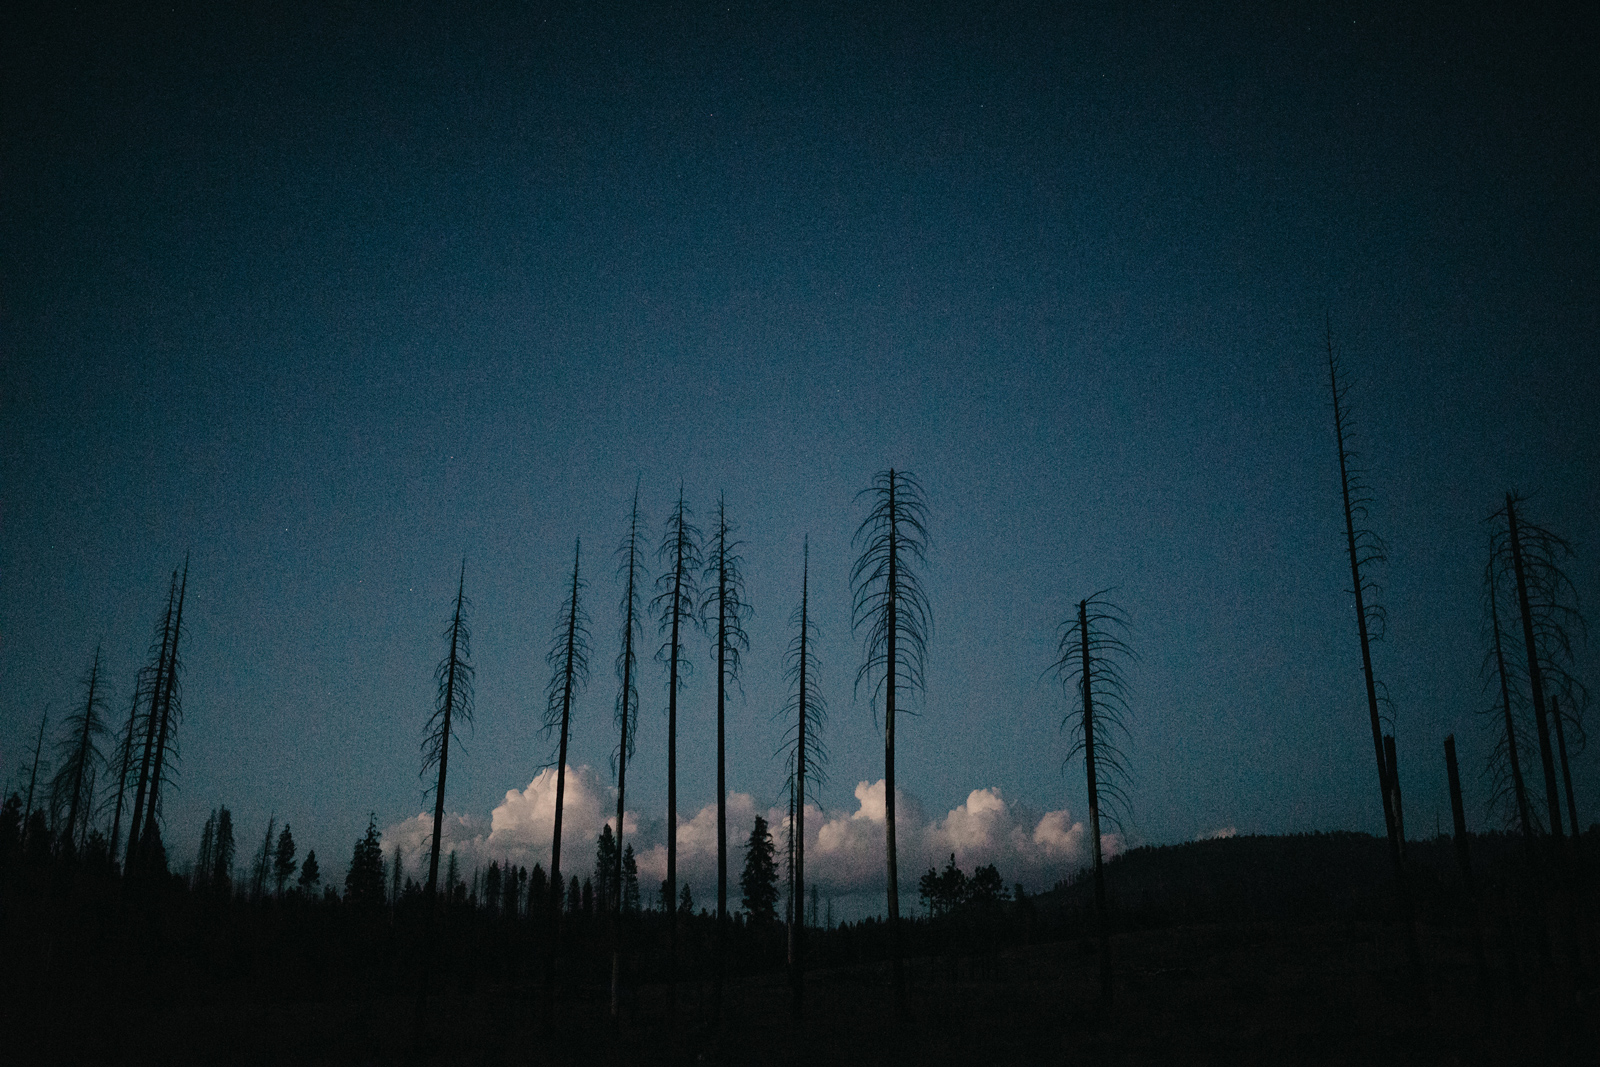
point(1342, 873)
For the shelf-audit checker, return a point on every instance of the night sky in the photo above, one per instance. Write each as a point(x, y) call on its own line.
point(335, 298)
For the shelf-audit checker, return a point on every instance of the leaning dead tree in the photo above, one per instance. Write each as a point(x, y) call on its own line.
point(805, 714)
point(1090, 657)
point(1526, 584)
point(887, 601)
point(80, 760)
point(166, 728)
point(1367, 553)
point(724, 609)
point(452, 706)
point(163, 709)
point(630, 568)
point(1508, 788)
point(124, 764)
point(568, 660)
point(33, 775)
point(675, 605)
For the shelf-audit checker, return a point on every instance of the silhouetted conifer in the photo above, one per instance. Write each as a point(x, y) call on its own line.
point(395, 878)
point(887, 599)
point(363, 885)
point(605, 870)
point(491, 888)
point(283, 864)
point(310, 875)
point(759, 881)
point(574, 897)
point(630, 882)
point(206, 858)
point(261, 870)
point(532, 885)
point(11, 828)
point(452, 705)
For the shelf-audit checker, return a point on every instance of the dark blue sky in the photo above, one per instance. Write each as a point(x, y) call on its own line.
point(334, 299)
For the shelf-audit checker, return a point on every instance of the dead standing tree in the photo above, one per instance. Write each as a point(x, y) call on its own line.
point(165, 730)
point(80, 759)
point(807, 713)
point(887, 599)
point(1366, 551)
point(675, 606)
point(724, 607)
point(452, 706)
point(124, 759)
point(568, 660)
point(1526, 578)
point(156, 673)
point(630, 566)
point(1505, 762)
point(1090, 657)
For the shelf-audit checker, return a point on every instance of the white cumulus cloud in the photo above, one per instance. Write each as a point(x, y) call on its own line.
point(844, 850)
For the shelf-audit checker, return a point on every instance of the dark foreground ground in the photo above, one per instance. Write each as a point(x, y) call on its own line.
point(1254, 950)
point(1221, 993)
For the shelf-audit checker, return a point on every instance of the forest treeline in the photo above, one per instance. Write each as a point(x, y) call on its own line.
point(89, 833)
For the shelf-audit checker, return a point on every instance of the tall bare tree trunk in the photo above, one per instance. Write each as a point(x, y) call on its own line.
point(122, 775)
point(1102, 920)
point(1524, 815)
point(167, 725)
point(33, 777)
point(152, 716)
point(1535, 676)
point(1566, 773)
point(1358, 587)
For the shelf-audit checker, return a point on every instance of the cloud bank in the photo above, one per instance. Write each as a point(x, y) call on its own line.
point(844, 850)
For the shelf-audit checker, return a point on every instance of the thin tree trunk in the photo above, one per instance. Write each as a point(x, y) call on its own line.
point(622, 757)
point(1535, 676)
point(444, 743)
point(1524, 815)
point(33, 777)
point(1402, 887)
point(561, 778)
point(798, 829)
point(1464, 861)
point(129, 860)
point(890, 665)
point(83, 748)
point(1566, 773)
point(122, 777)
point(152, 806)
point(1094, 809)
point(722, 779)
point(1395, 799)
point(672, 775)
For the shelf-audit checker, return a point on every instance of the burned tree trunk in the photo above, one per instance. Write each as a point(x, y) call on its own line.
point(629, 561)
point(1366, 550)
